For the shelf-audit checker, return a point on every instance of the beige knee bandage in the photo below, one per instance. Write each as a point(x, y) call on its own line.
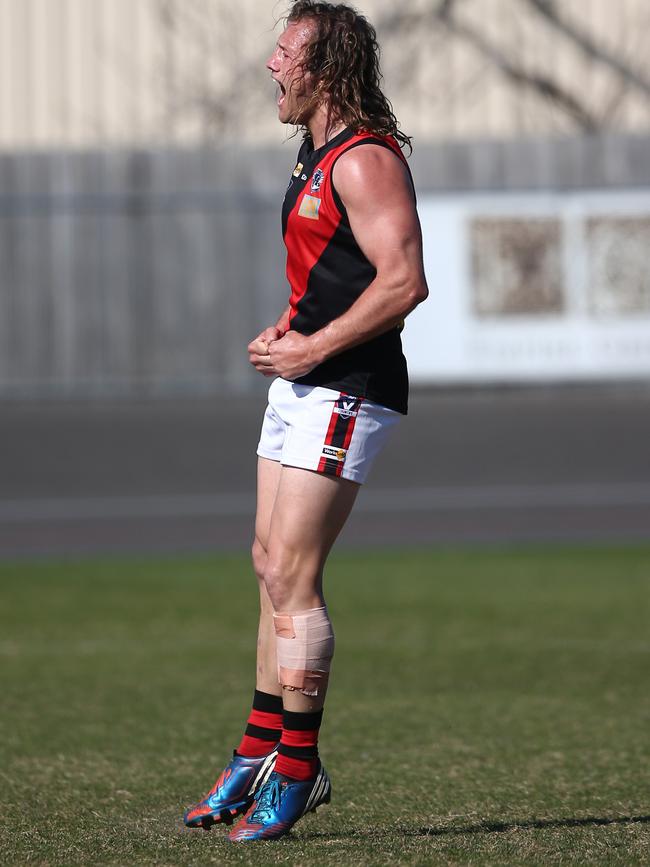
point(305, 647)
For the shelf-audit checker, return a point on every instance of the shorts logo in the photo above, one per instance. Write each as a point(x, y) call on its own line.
point(347, 407)
point(336, 454)
point(309, 207)
point(317, 180)
point(297, 170)
point(339, 434)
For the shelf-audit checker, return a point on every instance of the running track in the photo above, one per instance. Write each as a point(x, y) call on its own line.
point(466, 467)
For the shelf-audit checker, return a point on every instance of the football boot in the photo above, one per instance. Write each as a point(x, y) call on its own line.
point(233, 792)
point(279, 804)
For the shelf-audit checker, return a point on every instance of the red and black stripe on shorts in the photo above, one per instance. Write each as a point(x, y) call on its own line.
point(339, 434)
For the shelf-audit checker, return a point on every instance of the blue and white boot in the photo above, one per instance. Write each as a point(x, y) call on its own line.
point(279, 804)
point(233, 793)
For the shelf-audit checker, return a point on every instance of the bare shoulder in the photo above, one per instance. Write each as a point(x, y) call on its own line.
point(370, 168)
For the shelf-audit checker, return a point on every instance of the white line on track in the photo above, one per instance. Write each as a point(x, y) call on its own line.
point(554, 495)
point(237, 504)
point(102, 508)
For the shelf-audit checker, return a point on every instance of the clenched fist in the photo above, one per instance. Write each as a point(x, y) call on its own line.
point(258, 351)
point(293, 355)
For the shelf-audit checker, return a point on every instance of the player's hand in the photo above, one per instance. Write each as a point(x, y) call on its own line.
point(258, 351)
point(292, 355)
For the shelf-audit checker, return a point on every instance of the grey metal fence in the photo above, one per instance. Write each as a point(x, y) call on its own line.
point(148, 271)
point(131, 272)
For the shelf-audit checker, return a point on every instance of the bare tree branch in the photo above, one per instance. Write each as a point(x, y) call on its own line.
point(207, 97)
point(446, 8)
point(198, 95)
point(550, 12)
point(539, 83)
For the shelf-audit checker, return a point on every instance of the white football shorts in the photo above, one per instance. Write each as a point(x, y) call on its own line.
point(323, 430)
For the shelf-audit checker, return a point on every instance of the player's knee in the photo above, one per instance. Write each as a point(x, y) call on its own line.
point(259, 557)
point(291, 578)
point(286, 577)
point(279, 582)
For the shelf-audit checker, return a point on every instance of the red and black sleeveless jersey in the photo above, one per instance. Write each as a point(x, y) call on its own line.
point(327, 272)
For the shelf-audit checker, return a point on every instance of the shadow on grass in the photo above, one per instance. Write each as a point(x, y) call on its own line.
point(501, 827)
point(491, 827)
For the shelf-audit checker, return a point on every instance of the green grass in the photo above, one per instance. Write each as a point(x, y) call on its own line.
point(487, 707)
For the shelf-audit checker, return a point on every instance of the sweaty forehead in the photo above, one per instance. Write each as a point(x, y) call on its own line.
point(296, 35)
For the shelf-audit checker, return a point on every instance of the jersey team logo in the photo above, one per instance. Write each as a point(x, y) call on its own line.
point(317, 180)
point(309, 207)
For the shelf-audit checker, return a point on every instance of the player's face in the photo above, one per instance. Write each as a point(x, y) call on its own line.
point(295, 87)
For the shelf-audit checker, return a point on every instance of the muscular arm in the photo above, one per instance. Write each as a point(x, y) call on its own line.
point(375, 189)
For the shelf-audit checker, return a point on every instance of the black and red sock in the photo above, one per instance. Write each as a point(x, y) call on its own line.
point(298, 749)
point(264, 726)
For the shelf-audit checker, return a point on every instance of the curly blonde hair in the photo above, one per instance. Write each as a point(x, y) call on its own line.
point(343, 57)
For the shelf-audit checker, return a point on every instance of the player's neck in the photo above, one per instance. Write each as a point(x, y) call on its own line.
point(323, 126)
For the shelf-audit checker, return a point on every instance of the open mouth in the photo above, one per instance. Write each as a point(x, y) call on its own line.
point(281, 93)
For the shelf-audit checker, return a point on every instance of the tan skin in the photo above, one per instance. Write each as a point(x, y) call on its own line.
point(300, 513)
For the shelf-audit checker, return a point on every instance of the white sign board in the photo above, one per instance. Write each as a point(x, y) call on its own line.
point(535, 286)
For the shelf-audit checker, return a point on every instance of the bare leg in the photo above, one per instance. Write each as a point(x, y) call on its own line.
point(229, 795)
point(300, 514)
point(268, 480)
point(308, 513)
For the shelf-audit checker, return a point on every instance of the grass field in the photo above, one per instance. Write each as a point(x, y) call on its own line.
point(487, 707)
